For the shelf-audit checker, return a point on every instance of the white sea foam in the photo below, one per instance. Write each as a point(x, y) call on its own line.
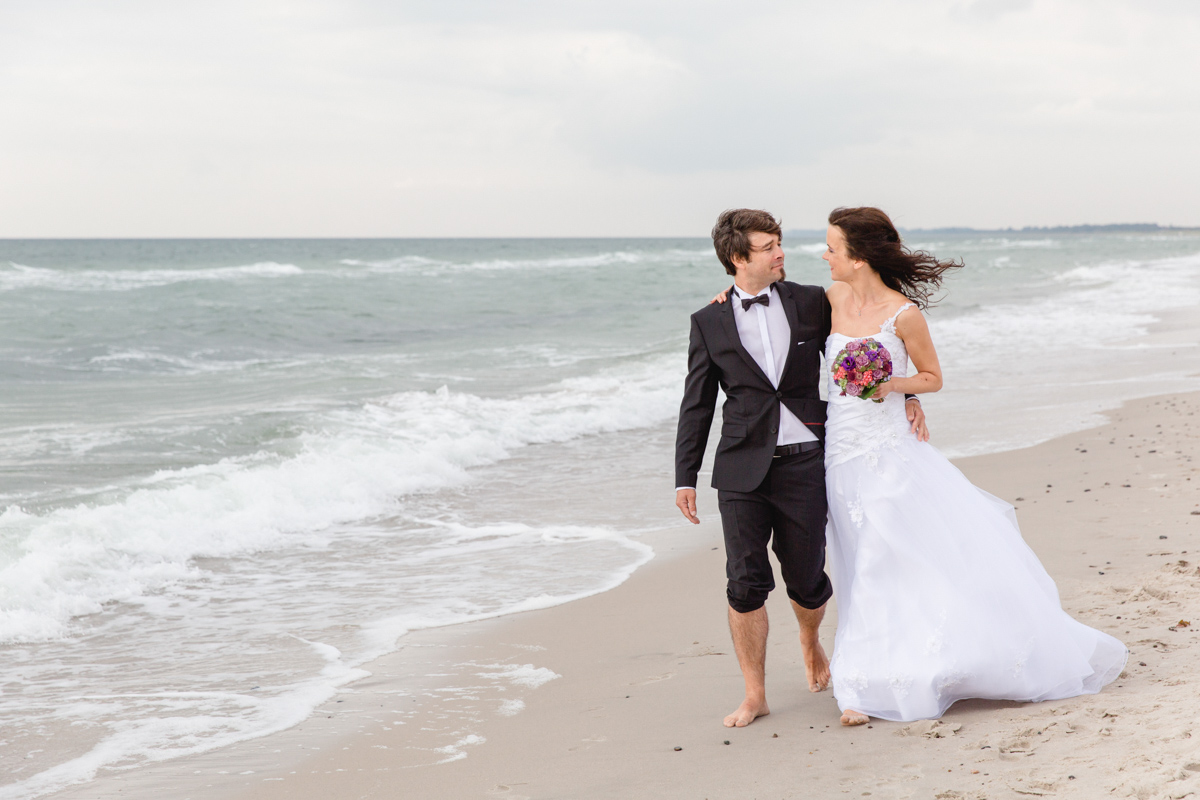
point(73, 560)
point(808, 249)
point(132, 359)
point(1023, 244)
point(455, 752)
point(604, 259)
point(173, 724)
point(18, 276)
point(1048, 365)
point(1103, 304)
point(157, 725)
point(510, 708)
point(520, 674)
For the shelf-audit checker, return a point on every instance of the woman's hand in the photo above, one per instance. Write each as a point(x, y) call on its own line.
point(916, 418)
point(882, 391)
point(720, 298)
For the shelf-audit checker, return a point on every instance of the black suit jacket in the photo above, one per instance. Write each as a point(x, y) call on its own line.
point(716, 358)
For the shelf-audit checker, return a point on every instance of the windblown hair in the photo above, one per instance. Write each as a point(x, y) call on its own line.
point(871, 237)
point(731, 234)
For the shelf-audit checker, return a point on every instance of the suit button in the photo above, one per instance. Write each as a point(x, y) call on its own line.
point(779, 394)
point(774, 430)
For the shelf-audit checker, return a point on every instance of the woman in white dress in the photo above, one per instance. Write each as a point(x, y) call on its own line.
point(938, 596)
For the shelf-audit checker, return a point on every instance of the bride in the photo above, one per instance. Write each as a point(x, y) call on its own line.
point(939, 598)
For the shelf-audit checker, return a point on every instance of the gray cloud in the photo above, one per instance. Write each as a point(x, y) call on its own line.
point(540, 118)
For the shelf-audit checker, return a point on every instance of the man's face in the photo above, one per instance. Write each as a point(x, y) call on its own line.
point(765, 265)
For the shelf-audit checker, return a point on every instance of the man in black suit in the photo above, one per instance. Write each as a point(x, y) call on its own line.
point(763, 348)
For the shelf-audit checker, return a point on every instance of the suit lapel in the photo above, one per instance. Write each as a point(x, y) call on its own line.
point(731, 330)
point(793, 318)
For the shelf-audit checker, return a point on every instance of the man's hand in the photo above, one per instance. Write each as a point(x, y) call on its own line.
point(685, 499)
point(916, 416)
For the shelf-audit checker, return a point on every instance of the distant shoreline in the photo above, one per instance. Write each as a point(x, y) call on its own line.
point(1120, 227)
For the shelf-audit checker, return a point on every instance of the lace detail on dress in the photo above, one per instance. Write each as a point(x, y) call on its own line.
point(889, 325)
point(900, 684)
point(949, 683)
point(855, 508)
point(875, 433)
point(1021, 658)
point(936, 640)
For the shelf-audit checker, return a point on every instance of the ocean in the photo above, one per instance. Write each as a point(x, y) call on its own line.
point(236, 471)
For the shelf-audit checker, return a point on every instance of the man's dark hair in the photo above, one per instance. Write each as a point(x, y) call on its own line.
point(731, 234)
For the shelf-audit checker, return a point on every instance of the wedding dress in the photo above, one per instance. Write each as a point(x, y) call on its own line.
point(938, 596)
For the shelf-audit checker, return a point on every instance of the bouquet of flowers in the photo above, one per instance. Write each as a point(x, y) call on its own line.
point(861, 367)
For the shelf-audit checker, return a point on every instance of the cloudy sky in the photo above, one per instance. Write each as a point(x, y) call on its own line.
point(552, 118)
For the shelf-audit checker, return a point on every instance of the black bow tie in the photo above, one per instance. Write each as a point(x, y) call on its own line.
point(765, 299)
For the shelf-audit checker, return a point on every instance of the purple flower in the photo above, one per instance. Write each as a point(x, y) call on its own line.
point(849, 363)
point(852, 347)
point(853, 389)
point(862, 359)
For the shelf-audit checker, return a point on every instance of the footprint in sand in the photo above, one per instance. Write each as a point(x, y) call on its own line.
point(930, 729)
point(654, 679)
point(1034, 788)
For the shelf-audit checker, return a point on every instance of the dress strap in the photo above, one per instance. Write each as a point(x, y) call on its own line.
point(889, 326)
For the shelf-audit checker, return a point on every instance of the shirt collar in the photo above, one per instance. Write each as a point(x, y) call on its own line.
point(741, 294)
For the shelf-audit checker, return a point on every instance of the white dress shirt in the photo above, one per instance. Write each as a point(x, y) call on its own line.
point(767, 336)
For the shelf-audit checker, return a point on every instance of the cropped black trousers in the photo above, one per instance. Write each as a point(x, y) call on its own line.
point(788, 512)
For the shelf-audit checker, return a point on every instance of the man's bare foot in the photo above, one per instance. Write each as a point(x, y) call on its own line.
point(816, 666)
point(852, 717)
point(746, 713)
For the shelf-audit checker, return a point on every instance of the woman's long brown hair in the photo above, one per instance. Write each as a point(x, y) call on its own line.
point(871, 237)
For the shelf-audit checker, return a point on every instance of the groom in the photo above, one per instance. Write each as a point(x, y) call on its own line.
point(762, 348)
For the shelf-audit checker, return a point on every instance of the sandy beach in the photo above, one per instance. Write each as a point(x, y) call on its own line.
point(622, 694)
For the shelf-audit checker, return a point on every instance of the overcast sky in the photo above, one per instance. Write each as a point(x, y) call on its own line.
point(553, 118)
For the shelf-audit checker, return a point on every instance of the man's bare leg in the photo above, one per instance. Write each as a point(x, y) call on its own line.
point(749, 632)
point(816, 665)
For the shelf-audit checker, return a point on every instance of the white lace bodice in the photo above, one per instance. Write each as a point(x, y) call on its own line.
point(857, 427)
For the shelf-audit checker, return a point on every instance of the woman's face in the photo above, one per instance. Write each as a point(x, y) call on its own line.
point(841, 265)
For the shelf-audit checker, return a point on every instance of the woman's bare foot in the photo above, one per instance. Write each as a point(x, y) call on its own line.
point(852, 717)
point(816, 666)
point(746, 713)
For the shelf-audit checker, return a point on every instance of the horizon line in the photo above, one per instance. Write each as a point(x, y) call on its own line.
point(1119, 227)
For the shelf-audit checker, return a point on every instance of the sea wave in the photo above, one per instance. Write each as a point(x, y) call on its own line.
point(18, 276)
point(365, 460)
point(1094, 307)
point(154, 724)
point(1048, 366)
point(410, 263)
